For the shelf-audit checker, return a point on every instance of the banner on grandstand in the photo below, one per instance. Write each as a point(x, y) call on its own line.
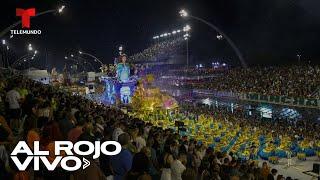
point(282, 100)
point(217, 94)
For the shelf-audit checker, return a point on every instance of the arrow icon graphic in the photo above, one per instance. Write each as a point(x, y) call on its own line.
point(86, 163)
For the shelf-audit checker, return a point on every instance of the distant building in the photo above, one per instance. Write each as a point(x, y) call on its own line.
point(38, 75)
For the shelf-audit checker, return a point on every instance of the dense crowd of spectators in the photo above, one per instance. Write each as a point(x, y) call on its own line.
point(293, 81)
point(197, 71)
point(158, 51)
point(304, 128)
point(32, 112)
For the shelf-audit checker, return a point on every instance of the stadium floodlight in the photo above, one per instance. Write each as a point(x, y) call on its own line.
point(32, 57)
point(157, 37)
point(174, 32)
point(165, 34)
point(169, 34)
point(80, 52)
point(186, 38)
point(72, 55)
point(35, 52)
point(219, 37)
point(3, 41)
point(161, 35)
point(60, 10)
point(186, 28)
point(183, 13)
point(65, 57)
point(178, 31)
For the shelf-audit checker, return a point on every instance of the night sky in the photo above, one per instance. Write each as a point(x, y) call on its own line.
point(266, 31)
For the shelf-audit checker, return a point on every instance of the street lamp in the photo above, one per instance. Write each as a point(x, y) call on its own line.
point(94, 57)
point(219, 37)
point(60, 10)
point(22, 58)
point(184, 13)
point(78, 62)
point(30, 47)
point(299, 57)
point(186, 37)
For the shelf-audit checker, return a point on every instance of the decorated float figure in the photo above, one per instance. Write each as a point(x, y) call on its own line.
point(119, 89)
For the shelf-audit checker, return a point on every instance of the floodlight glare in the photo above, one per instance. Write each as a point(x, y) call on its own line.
point(60, 10)
point(183, 13)
point(186, 28)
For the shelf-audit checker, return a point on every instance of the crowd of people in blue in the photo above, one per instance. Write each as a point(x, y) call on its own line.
point(272, 137)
